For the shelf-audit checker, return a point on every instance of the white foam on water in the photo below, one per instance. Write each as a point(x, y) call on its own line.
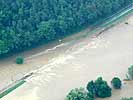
point(45, 72)
point(46, 51)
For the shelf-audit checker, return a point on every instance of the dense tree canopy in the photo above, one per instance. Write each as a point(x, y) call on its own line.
point(99, 88)
point(24, 23)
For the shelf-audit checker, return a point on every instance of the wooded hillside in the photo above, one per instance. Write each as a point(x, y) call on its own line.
point(24, 23)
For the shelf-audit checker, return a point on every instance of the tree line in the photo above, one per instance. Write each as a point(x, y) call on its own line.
point(25, 23)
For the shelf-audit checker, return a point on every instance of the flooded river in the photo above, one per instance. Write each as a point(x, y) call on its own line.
point(71, 63)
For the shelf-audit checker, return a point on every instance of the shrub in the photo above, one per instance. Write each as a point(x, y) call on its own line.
point(130, 72)
point(116, 83)
point(19, 60)
point(79, 94)
point(99, 88)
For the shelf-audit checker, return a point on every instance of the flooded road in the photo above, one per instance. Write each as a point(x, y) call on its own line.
point(72, 64)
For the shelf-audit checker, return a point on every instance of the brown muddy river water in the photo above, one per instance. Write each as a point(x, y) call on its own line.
point(72, 64)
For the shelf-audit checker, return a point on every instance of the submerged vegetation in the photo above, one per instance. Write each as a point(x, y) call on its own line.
point(26, 23)
point(130, 72)
point(19, 60)
point(127, 98)
point(116, 83)
point(99, 88)
point(79, 94)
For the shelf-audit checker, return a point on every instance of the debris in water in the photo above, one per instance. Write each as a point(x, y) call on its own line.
point(126, 23)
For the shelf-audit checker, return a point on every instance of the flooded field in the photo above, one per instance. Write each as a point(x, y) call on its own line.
point(35, 58)
point(72, 64)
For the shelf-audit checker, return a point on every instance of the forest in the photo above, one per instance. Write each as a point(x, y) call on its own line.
point(26, 23)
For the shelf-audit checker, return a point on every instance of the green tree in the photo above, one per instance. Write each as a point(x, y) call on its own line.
point(46, 30)
point(130, 72)
point(116, 83)
point(79, 94)
point(3, 47)
point(102, 88)
point(99, 88)
point(91, 88)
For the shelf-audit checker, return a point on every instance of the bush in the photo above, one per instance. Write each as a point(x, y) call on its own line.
point(19, 60)
point(116, 83)
point(79, 94)
point(130, 72)
point(99, 88)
